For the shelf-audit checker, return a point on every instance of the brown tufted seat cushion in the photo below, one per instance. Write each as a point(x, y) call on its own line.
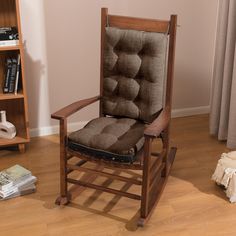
point(134, 71)
point(117, 139)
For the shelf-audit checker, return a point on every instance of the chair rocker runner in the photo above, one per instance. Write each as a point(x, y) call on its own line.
point(136, 77)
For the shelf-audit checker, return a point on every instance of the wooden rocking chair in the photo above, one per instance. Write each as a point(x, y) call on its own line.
point(135, 109)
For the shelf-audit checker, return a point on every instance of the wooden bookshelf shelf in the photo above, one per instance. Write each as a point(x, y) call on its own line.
point(10, 48)
point(16, 106)
point(10, 96)
point(16, 140)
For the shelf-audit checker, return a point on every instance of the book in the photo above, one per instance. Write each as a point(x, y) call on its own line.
point(28, 181)
point(11, 85)
point(17, 173)
point(31, 180)
point(24, 191)
point(9, 192)
point(16, 181)
point(17, 74)
point(5, 182)
point(8, 33)
point(18, 187)
point(7, 43)
point(30, 186)
point(7, 76)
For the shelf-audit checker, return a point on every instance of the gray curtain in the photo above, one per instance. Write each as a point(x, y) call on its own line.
point(223, 100)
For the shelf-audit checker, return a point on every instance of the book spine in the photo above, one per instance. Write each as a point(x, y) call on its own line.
point(4, 194)
point(6, 187)
point(19, 193)
point(12, 80)
point(24, 183)
point(7, 77)
point(17, 74)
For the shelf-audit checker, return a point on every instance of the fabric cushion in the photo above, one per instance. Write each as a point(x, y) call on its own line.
point(134, 71)
point(117, 139)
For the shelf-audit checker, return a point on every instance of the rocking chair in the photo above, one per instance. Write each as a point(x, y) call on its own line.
point(137, 66)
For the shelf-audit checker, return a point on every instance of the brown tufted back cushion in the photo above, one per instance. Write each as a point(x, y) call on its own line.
point(134, 68)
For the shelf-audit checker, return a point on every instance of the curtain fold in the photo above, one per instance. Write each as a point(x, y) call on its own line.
point(223, 100)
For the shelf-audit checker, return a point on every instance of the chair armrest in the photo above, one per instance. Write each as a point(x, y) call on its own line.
point(159, 124)
point(74, 107)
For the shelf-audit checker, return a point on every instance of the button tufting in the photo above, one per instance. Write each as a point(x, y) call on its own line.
point(136, 60)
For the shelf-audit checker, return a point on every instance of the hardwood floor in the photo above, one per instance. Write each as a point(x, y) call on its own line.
point(190, 205)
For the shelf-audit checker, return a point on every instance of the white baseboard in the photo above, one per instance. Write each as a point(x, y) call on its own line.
point(191, 111)
point(43, 131)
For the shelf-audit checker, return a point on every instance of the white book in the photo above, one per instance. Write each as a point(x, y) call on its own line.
point(25, 182)
point(30, 180)
point(5, 194)
point(16, 174)
point(24, 191)
point(25, 187)
point(19, 187)
point(7, 43)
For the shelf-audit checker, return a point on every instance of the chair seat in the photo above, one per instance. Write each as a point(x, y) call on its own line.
point(116, 139)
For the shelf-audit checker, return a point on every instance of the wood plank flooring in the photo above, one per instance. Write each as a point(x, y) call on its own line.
point(190, 205)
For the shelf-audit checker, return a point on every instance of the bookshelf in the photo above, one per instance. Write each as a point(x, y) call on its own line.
point(15, 105)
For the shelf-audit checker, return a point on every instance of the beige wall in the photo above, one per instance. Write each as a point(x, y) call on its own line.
point(195, 45)
point(62, 51)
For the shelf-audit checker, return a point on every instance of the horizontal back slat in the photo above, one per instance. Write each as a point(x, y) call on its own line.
point(138, 24)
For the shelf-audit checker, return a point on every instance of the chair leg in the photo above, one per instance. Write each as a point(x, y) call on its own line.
point(170, 160)
point(145, 183)
point(64, 197)
point(170, 153)
point(165, 140)
point(151, 195)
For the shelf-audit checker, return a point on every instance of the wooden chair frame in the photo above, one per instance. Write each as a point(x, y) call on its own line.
point(154, 172)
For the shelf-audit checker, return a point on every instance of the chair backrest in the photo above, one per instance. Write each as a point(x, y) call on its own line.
point(133, 62)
